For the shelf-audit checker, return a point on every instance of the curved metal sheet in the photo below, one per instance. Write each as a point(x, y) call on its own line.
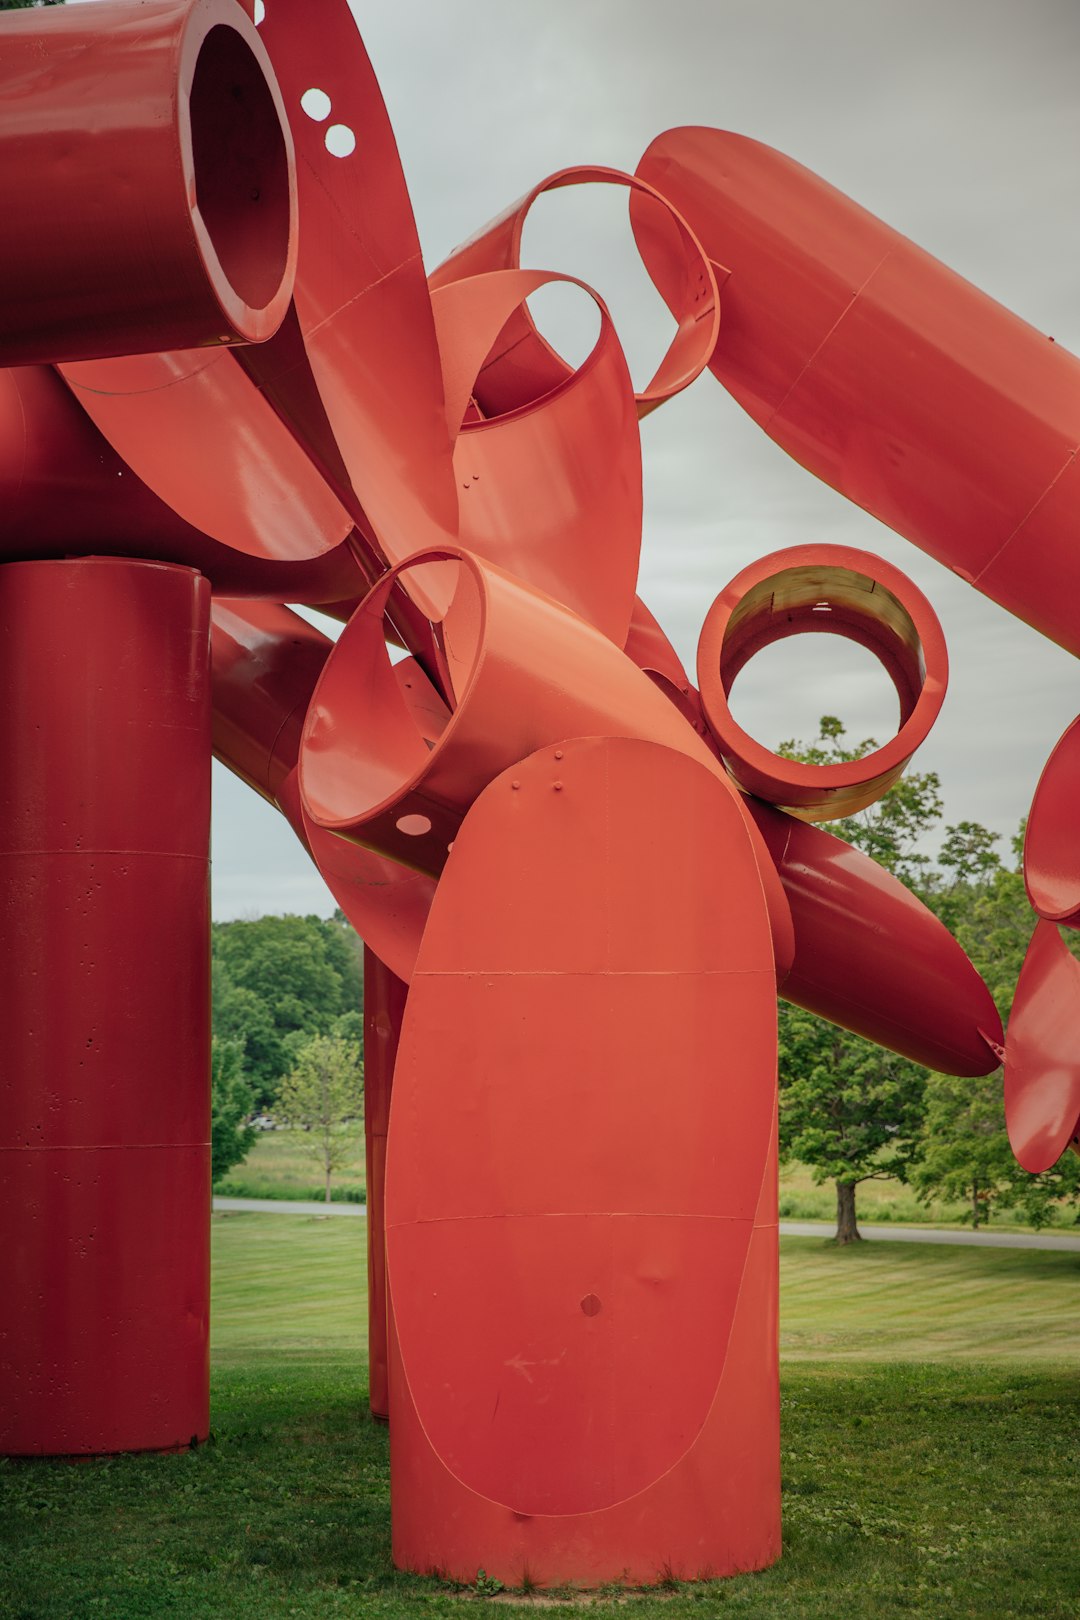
point(524, 365)
point(550, 491)
point(1051, 856)
point(583, 1211)
point(1042, 1066)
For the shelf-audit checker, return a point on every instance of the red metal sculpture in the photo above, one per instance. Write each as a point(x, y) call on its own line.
point(580, 883)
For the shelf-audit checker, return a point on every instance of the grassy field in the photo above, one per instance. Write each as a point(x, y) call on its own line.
point(936, 1487)
point(282, 1165)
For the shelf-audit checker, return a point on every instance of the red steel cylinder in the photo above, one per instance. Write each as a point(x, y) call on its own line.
point(104, 1006)
point(884, 373)
point(146, 154)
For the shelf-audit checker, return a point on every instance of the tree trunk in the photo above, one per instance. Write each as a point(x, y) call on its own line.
point(846, 1230)
point(328, 1184)
point(975, 1209)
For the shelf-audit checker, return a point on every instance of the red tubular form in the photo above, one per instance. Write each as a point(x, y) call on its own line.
point(871, 957)
point(384, 1008)
point(886, 374)
point(173, 225)
point(838, 591)
point(104, 1087)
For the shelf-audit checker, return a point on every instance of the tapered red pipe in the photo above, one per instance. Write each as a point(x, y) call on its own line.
point(885, 373)
point(104, 1006)
point(147, 157)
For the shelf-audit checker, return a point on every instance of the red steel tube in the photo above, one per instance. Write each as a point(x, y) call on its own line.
point(104, 1006)
point(884, 373)
point(146, 154)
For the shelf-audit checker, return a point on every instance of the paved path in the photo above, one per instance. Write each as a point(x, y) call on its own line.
point(822, 1229)
point(285, 1206)
point(930, 1234)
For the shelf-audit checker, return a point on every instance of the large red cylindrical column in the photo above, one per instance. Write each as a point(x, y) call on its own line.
point(384, 1008)
point(104, 1006)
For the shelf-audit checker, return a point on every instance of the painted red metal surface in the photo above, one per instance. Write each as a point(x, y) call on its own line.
point(528, 1318)
point(885, 373)
point(1042, 1069)
point(568, 523)
point(871, 957)
point(105, 1034)
point(831, 590)
point(1051, 856)
point(266, 661)
point(523, 366)
point(384, 1008)
point(525, 814)
point(174, 224)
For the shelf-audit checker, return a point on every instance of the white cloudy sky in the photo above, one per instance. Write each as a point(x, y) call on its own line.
point(958, 121)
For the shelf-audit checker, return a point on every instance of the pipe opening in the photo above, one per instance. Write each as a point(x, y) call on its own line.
point(241, 167)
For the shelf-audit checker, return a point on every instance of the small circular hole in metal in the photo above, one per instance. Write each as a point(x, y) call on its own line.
point(340, 141)
point(316, 103)
point(413, 826)
point(260, 12)
point(591, 1306)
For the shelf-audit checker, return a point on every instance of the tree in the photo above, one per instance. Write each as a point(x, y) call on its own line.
point(27, 5)
point(323, 1092)
point(850, 1110)
point(967, 1145)
point(279, 980)
point(231, 1138)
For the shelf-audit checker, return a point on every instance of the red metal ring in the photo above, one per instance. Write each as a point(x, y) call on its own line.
point(840, 591)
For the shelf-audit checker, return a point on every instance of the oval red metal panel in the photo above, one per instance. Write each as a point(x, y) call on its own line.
point(550, 491)
point(1051, 866)
point(580, 1130)
point(1042, 1069)
point(833, 590)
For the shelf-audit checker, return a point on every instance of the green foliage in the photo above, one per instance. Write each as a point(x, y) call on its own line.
point(279, 980)
point(230, 1104)
point(967, 1145)
point(324, 1091)
point(27, 5)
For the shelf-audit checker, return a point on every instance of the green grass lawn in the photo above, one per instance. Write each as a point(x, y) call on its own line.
point(931, 1454)
point(888, 1200)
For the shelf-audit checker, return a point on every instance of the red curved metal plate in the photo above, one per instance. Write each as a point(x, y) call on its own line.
point(1042, 1067)
point(551, 491)
point(1051, 864)
point(525, 365)
point(361, 294)
point(585, 1034)
point(194, 428)
point(265, 664)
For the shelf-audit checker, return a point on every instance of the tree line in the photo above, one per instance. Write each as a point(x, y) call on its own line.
point(853, 1112)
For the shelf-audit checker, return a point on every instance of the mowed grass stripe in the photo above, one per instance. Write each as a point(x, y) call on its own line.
point(292, 1281)
point(924, 1302)
point(288, 1281)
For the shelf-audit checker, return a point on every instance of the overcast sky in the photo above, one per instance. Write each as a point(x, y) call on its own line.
point(958, 121)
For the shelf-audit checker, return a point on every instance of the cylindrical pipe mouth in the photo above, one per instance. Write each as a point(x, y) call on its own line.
point(833, 590)
point(376, 726)
point(1051, 866)
point(244, 195)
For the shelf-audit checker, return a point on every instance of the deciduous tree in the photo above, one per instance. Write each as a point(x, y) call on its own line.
point(322, 1094)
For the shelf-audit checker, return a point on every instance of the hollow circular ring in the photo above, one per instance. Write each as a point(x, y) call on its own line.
point(839, 591)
